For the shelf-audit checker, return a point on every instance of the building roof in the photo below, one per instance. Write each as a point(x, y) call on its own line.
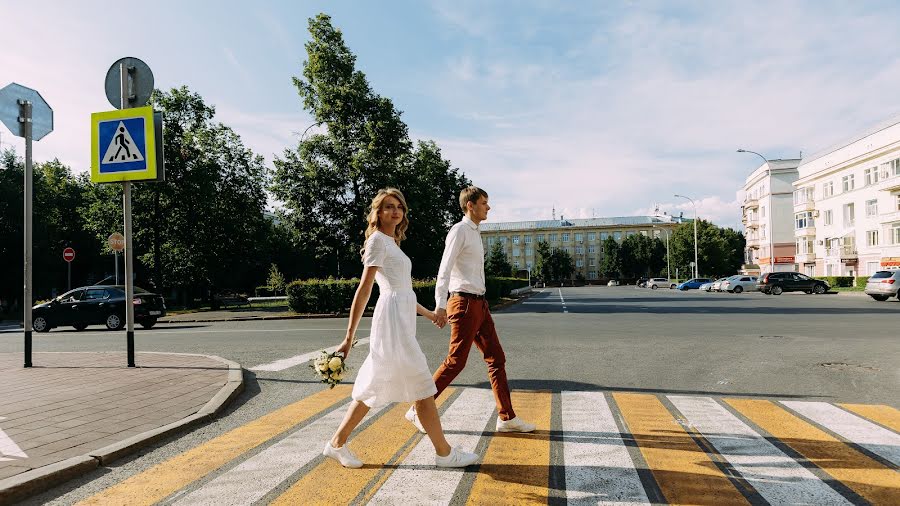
point(878, 127)
point(583, 223)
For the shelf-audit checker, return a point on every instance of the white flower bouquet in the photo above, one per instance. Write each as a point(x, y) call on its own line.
point(331, 367)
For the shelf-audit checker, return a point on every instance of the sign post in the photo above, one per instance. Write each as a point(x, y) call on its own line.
point(68, 256)
point(116, 242)
point(25, 112)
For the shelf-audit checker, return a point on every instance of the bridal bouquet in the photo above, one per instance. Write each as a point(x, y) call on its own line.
point(331, 367)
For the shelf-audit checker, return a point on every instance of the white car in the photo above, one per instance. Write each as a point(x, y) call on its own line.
point(738, 284)
point(716, 285)
point(655, 283)
point(613, 282)
point(706, 286)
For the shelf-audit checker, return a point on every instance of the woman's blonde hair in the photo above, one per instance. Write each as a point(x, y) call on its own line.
point(374, 222)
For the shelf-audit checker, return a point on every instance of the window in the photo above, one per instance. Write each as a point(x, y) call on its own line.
point(527, 239)
point(630, 233)
point(604, 236)
point(515, 239)
point(762, 212)
point(871, 208)
point(516, 265)
point(810, 270)
point(617, 236)
point(872, 238)
point(895, 234)
point(592, 236)
point(829, 217)
point(568, 250)
point(593, 262)
point(762, 232)
point(540, 238)
point(491, 241)
point(644, 233)
point(502, 239)
point(565, 237)
point(895, 167)
point(872, 267)
point(516, 252)
point(579, 263)
point(897, 202)
point(579, 250)
point(592, 249)
point(871, 175)
point(579, 237)
point(553, 237)
point(849, 215)
point(847, 183)
point(803, 220)
point(529, 251)
point(828, 189)
point(803, 195)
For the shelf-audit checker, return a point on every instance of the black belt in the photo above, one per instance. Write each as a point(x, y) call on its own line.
point(466, 295)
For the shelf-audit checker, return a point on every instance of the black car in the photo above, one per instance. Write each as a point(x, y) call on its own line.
point(777, 282)
point(97, 305)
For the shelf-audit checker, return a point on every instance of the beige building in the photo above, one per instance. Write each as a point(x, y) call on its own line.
point(582, 239)
point(847, 206)
point(767, 215)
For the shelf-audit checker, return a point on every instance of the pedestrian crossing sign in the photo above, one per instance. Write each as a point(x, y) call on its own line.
point(124, 146)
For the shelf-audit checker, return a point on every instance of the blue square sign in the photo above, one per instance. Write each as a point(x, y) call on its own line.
point(123, 145)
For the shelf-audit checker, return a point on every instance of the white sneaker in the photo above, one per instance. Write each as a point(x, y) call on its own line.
point(456, 458)
point(414, 419)
point(342, 455)
point(514, 425)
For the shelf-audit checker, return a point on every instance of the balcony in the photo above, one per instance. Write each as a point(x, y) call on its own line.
point(809, 230)
point(805, 205)
point(751, 203)
point(805, 258)
point(889, 217)
point(845, 253)
point(889, 184)
point(753, 242)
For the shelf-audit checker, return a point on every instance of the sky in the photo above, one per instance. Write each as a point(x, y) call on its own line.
point(592, 108)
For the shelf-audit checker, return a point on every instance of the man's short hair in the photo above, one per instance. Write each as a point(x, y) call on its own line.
point(470, 194)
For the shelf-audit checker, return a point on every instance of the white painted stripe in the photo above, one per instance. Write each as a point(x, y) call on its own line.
point(9, 447)
point(417, 480)
point(877, 440)
point(599, 469)
point(262, 473)
point(285, 363)
point(777, 477)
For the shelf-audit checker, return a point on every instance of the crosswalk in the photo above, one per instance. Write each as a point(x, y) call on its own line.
point(590, 447)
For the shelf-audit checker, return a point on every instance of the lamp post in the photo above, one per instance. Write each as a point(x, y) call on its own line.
point(696, 256)
point(303, 135)
point(668, 262)
point(755, 153)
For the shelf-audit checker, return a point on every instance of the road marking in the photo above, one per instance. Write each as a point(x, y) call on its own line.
point(777, 477)
point(885, 415)
point(877, 440)
point(417, 480)
point(865, 476)
point(682, 469)
point(170, 476)
point(379, 445)
point(563, 301)
point(514, 469)
point(258, 475)
point(286, 363)
point(598, 468)
point(9, 448)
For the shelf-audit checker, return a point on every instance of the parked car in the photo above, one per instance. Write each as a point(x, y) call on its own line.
point(884, 284)
point(97, 305)
point(777, 282)
point(613, 282)
point(693, 284)
point(738, 284)
point(706, 287)
point(716, 286)
point(655, 283)
point(641, 282)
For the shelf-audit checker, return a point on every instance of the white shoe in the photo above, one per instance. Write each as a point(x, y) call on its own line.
point(514, 425)
point(414, 419)
point(342, 455)
point(456, 458)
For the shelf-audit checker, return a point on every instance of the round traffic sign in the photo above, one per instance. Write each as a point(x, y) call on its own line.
point(68, 254)
point(139, 84)
point(116, 241)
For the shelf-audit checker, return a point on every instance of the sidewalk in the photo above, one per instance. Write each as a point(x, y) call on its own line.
point(73, 412)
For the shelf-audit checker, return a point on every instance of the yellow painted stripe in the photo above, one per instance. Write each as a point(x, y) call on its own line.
point(516, 467)
point(684, 472)
point(176, 473)
point(329, 483)
point(865, 476)
point(885, 415)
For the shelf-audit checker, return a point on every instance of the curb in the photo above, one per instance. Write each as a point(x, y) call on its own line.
point(21, 486)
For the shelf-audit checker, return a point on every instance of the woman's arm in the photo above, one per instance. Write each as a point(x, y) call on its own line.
point(360, 299)
point(422, 310)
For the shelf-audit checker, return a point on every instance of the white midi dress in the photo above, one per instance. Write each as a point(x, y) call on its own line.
point(395, 369)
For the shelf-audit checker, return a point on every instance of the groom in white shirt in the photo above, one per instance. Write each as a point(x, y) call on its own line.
point(462, 275)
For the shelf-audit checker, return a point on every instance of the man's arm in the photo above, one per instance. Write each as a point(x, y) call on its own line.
point(452, 246)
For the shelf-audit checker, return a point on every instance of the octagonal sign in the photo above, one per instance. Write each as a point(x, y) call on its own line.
point(41, 113)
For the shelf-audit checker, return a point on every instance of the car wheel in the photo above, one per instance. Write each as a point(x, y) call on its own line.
point(777, 290)
point(653, 287)
point(879, 298)
point(738, 289)
point(114, 322)
point(148, 323)
point(672, 287)
point(819, 289)
point(80, 326)
point(40, 324)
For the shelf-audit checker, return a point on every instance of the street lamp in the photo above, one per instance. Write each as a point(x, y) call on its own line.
point(303, 135)
point(696, 260)
point(754, 152)
point(668, 263)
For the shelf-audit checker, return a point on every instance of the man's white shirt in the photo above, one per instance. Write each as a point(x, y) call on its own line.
point(462, 266)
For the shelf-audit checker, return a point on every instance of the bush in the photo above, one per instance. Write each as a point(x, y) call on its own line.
point(838, 281)
point(861, 281)
point(263, 291)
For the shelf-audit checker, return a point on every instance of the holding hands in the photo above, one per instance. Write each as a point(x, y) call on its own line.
point(440, 317)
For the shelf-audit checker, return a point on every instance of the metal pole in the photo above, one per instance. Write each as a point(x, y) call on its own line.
point(69, 264)
point(25, 110)
point(668, 261)
point(129, 257)
point(116, 256)
point(696, 256)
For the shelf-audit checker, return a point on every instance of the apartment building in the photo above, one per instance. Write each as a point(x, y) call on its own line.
point(767, 214)
point(847, 206)
point(581, 238)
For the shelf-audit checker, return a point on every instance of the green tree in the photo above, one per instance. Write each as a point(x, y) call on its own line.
point(610, 263)
point(497, 264)
point(720, 250)
point(276, 281)
point(563, 264)
point(640, 255)
point(328, 181)
point(542, 262)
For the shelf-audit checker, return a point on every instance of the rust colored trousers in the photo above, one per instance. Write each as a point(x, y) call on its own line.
point(471, 322)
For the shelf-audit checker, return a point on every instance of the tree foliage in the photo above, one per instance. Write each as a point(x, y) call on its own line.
point(720, 250)
point(327, 182)
point(553, 264)
point(497, 264)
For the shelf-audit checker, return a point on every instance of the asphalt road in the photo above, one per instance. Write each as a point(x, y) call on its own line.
point(834, 348)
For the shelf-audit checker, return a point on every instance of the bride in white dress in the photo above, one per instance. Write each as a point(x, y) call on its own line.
point(395, 369)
